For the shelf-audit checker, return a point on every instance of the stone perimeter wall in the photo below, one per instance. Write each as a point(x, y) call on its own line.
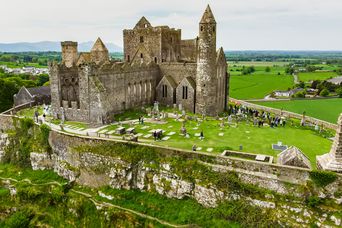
point(97, 170)
point(309, 119)
point(281, 179)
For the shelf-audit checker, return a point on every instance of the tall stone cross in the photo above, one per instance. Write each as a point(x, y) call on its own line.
point(333, 160)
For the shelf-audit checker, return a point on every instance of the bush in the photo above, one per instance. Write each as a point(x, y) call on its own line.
point(314, 201)
point(20, 219)
point(300, 94)
point(324, 93)
point(322, 178)
point(339, 92)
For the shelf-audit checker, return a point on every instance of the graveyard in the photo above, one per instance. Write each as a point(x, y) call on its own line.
point(182, 130)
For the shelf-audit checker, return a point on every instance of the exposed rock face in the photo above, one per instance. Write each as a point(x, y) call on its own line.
point(3, 143)
point(163, 176)
point(333, 160)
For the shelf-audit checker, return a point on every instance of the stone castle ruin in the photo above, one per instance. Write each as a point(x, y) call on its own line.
point(158, 66)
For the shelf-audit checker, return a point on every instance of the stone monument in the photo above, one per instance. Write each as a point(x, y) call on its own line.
point(333, 160)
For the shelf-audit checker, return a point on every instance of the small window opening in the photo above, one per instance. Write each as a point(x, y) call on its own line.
point(185, 92)
point(214, 28)
point(128, 58)
point(164, 91)
point(141, 39)
point(201, 28)
point(155, 59)
point(141, 55)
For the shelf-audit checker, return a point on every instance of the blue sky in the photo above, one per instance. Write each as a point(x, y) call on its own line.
point(242, 24)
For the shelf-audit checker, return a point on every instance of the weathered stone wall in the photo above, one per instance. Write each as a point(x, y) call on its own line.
point(6, 122)
point(270, 176)
point(157, 44)
point(178, 71)
point(189, 50)
point(93, 169)
point(187, 100)
point(69, 53)
point(168, 98)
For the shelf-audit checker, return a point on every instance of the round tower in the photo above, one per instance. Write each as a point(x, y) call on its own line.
point(206, 83)
point(69, 53)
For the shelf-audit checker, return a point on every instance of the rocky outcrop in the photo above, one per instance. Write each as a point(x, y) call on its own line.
point(106, 166)
point(3, 143)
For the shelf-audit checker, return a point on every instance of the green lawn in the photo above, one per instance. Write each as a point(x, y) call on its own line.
point(253, 139)
point(306, 77)
point(257, 63)
point(326, 109)
point(258, 85)
point(20, 65)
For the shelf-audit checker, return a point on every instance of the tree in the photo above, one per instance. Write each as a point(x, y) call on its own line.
point(324, 92)
point(301, 84)
point(339, 71)
point(315, 84)
point(268, 69)
point(248, 70)
point(7, 90)
point(42, 79)
point(289, 70)
point(339, 92)
point(300, 94)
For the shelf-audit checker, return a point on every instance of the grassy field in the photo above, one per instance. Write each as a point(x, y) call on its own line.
point(326, 109)
point(253, 139)
point(20, 65)
point(260, 83)
point(306, 77)
point(257, 86)
point(257, 63)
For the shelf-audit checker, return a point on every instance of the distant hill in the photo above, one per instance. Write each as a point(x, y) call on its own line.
point(50, 46)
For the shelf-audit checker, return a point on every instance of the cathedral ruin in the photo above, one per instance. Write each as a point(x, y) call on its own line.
point(158, 66)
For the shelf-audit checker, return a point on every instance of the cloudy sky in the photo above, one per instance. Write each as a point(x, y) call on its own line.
point(242, 24)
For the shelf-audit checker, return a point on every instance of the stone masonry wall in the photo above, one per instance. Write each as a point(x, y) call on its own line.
point(97, 170)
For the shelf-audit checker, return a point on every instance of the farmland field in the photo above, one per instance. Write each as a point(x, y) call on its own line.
point(257, 86)
point(260, 83)
point(306, 77)
point(324, 109)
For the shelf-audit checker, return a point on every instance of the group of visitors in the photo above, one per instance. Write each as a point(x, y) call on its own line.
point(141, 120)
point(259, 118)
point(157, 135)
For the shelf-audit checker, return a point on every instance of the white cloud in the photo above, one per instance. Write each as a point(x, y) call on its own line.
point(242, 24)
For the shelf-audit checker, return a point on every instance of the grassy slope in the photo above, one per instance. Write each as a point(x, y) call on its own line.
point(305, 77)
point(327, 109)
point(55, 206)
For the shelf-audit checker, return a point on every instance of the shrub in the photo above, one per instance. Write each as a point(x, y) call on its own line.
point(300, 94)
point(324, 93)
point(322, 178)
point(339, 92)
point(20, 219)
point(314, 201)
